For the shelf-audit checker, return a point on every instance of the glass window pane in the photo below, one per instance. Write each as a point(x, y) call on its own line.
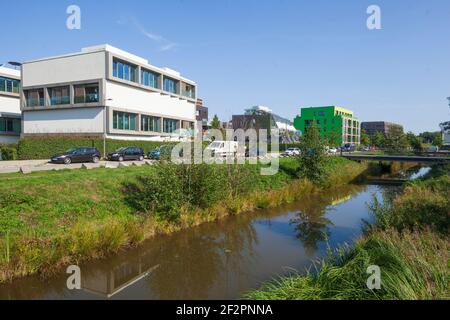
point(132, 122)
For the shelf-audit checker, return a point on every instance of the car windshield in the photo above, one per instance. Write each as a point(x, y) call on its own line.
point(120, 149)
point(215, 145)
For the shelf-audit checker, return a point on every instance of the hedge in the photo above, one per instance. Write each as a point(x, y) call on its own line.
point(45, 147)
point(8, 152)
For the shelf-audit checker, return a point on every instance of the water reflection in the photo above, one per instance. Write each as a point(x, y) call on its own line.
point(217, 260)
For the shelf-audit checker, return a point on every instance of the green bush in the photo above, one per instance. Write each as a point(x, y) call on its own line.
point(45, 147)
point(8, 153)
point(169, 188)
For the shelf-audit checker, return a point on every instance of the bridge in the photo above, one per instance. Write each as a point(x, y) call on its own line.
point(417, 159)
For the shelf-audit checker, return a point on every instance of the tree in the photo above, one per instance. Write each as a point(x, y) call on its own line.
point(333, 139)
point(437, 140)
point(396, 140)
point(378, 140)
point(365, 139)
point(215, 123)
point(313, 156)
point(414, 141)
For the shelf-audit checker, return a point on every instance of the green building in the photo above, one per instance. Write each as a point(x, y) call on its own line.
point(338, 125)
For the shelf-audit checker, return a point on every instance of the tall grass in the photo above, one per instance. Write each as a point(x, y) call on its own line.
point(409, 241)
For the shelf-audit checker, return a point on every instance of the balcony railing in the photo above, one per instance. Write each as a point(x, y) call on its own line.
point(89, 98)
point(188, 94)
point(60, 100)
point(35, 102)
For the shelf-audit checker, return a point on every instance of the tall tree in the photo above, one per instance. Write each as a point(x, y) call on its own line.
point(365, 139)
point(396, 140)
point(437, 140)
point(215, 123)
point(313, 156)
point(378, 140)
point(414, 141)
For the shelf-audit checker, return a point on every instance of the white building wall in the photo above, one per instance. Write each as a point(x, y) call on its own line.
point(73, 68)
point(80, 120)
point(125, 97)
point(9, 105)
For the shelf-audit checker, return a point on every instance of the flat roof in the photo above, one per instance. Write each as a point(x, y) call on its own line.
point(9, 72)
point(124, 54)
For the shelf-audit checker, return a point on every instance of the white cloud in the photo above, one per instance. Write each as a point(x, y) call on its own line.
point(163, 43)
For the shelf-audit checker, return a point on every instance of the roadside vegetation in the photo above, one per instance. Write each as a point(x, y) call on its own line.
point(409, 241)
point(52, 219)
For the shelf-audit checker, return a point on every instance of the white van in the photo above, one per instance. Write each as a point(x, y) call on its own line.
point(223, 148)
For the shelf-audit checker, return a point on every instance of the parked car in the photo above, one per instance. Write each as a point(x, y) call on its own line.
point(127, 153)
point(291, 152)
point(365, 149)
point(223, 148)
point(259, 152)
point(77, 155)
point(348, 148)
point(433, 149)
point(332, 150)
point(164, 152)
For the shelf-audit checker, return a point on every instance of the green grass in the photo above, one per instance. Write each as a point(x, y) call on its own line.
point(57, 218)
point(409, 242)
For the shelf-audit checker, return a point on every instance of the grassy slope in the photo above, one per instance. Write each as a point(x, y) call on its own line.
point(57, 218)
point(410, 243)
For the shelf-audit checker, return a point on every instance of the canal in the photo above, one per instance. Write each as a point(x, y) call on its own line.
point(224, 259)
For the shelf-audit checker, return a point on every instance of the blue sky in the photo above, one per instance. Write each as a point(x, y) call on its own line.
point(284, 54)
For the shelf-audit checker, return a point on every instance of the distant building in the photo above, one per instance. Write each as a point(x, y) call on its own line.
point(372, 127)
point(10, 116)
point(445, 127)
point(260, 117)
point(202, 114)
point(335, 123)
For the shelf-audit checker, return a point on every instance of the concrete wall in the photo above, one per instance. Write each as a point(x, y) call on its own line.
point(64, 69)
point(126, 97)
point(9, 104)
point(80, 120)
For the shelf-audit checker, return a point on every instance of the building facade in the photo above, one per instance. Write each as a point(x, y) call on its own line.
point(372, 127)
point(202, 114)
point(105, 91)
point(338, 125)
point(10, 117)
point(261, 117)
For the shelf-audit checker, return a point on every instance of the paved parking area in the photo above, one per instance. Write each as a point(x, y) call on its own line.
point(28, 166)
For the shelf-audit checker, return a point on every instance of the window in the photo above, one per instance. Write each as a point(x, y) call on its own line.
point(170, 125)
point(124, 121)
point(34, 98)
point(149, 78)
point(170, 85)
point(124, 71)
point(9, 85)
point(149, 123)
point(10, 125)
point(87, 93)
point(59, 96)
point(188, 91)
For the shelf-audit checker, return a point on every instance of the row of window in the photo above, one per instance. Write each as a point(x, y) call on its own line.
point(126, 71)
point(128, 121)
point(10, 125)
point(86, 93)
point(9, 85)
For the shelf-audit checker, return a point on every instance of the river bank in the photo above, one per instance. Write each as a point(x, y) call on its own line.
point(409, 241)
point(49, 220)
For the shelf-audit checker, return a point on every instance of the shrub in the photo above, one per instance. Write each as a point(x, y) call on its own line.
point(8, 153)
point(45, 147)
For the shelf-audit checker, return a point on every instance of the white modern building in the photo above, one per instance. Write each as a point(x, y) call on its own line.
point(104, 91)
point(10, 119)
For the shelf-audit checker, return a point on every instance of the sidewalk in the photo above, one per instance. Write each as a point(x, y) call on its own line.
point(28, 166)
